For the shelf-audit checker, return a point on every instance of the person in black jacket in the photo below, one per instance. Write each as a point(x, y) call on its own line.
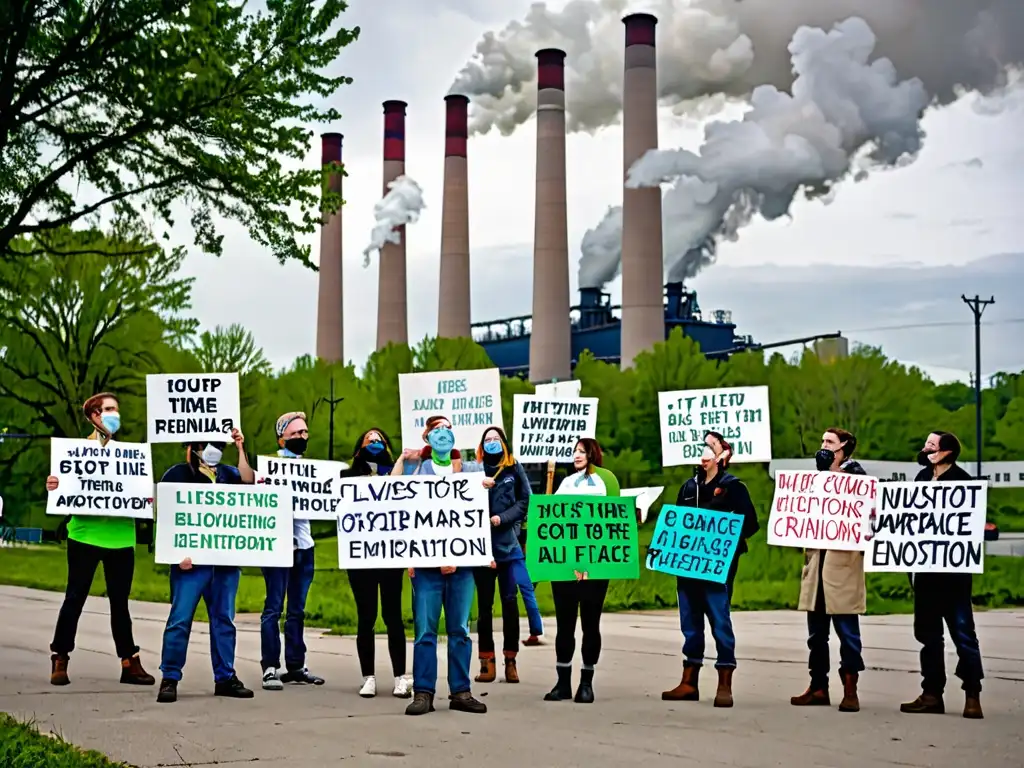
point(945, 597)
point(711, 488)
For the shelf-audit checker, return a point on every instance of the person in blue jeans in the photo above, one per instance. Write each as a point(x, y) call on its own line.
point(216, 585)
point(292, 583)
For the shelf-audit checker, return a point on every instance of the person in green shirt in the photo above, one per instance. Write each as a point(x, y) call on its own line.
point(94, 539)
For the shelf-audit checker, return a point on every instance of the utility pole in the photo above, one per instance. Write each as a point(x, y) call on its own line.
point(333, 402)
point(978, 306)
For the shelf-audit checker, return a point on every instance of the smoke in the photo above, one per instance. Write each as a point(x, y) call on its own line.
point(401, 205)
point(602, 247)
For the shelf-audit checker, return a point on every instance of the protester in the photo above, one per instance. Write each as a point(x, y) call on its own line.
point(294, 582)
point(439, 456)
point(372, 457)
point(509, 501)
point(711, 488)
point(583, 598)
point(832, 591)
point(217, 585)
point(945, 597)
point(95, 539)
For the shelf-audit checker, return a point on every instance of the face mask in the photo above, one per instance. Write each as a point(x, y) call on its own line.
point(493, 447)
point(212, 456)
point(708, 454)
point(111, 422)
point(442, 440)
point(296, 445)
point(823, 459)
point(375, 448)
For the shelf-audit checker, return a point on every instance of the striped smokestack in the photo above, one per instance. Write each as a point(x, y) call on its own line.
point(550, 340)
point(453, 315)
point(643, 315)
point(392, 307)
point(330, 335)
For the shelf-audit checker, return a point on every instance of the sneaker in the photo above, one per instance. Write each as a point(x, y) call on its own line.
point(233, 689)
point(403, 687)
point(271, 681)
point(301, 677)
point(59, 670)
point(532, 641)
point(369, 689)
point(464, 702)
point(168, 691)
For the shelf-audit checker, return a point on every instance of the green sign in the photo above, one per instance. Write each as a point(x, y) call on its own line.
point(592, 535)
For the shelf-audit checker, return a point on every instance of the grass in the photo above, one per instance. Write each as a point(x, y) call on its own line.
point(22, 746)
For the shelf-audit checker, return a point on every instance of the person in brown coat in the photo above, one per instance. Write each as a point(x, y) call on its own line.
point(833, 593)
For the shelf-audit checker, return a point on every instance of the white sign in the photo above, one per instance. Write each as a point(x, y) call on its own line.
point(934, 527)
point(822, 510)
point(187, 407)
point(645, 498)
point(548, 429)
point(309, 488)
point(739, 414)
point(1000, 474)
point(414, 522)
point(219, 524)
point(470, 399)
point(560, 390)
point(112, 480)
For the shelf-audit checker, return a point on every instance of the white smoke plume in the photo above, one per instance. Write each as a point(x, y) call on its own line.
point(401, 205)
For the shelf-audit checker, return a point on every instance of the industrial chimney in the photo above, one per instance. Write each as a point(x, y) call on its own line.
point(330, 320)
point(392, 306)
point(643, 321)
point(453, 315)
point(550, 339)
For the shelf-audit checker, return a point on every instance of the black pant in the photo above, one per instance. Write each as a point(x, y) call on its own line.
point(584, 599)
point(118, 572)
point(485, 579)
point(365, 584)
point(938, 598)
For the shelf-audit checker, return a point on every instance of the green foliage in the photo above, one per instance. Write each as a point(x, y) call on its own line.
point(232, 349)
point(23, 746)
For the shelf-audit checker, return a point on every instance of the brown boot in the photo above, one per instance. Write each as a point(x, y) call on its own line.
point(850, 702)
point(132, 672)
point(972, 707)
point(59, 670)
point(687, 690)
point(925, 704)
point(488, 671)
point(511, 672)
point(723, 696)
point(811, 698)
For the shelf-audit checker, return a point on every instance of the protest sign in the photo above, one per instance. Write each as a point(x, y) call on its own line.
point(592, 535)
point(420, 521)
point(308, 488)
point(645, 498)
point(548, 429)
point(739, 414)
point(559, 390)
point(935, 527)
point(470, 399)
point(821, 510)
point(182, 407)
point(222, 525)
point(112, 480)
point(694, 543)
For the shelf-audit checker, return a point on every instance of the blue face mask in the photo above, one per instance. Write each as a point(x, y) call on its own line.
point(492, 447)
point(442, 440)
point(375, 448)
point(111, 422)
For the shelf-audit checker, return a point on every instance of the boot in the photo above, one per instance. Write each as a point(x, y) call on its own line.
point(422, 703)
point(488, 671)
point(464, 702)
point(723, 696)
point(812, 697)
point(232, 689)
point(132, 672)
point(585, 693)
point(972, 707)
point(511, 672)
point(168, 691)
point(687, 689)
point(563, 688)
point(850, 702)
point(925, 704)
point(59, 670)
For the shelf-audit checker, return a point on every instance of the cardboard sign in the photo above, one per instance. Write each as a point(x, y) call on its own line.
point(695, 543)
point(309, 488)
point(470, 399)
point(115, 480)
point(186, 407)
point(821, 510)
point(739, 414)
point(548, 429)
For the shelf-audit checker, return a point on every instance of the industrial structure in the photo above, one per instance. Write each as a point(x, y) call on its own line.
point(453, 302)
point(330, 316)
point(392, 289)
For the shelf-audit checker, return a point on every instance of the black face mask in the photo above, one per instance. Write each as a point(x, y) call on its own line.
point(296, 445)
point(492, 459)
point(922, 458)
point(823, 459)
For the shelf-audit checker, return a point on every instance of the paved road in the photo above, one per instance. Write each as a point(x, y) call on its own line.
point(1008, 545)
point(331, 725)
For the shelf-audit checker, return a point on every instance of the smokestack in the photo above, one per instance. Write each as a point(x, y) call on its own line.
point(643, 320)
point(550, 339)
point(330, 335)
point(392, 308)
point(453, 306)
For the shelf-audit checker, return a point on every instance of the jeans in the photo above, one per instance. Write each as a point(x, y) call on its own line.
point(294, 583)
point(432, 591)
point(365, 583)
point(217, 585)
point(850, 658)
point(583, 599)
point(698, 599)
point(510, 576)
point(118, 572)
point(938, 598)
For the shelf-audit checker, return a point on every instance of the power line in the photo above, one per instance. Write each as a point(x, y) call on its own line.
point(914, 326)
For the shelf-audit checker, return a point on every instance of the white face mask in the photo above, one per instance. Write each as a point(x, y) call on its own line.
point(708, 454)
point(212, 456)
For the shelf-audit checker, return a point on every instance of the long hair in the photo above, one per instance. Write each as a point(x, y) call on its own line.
point(595, 457)
point(507, 459)
point(360, 466)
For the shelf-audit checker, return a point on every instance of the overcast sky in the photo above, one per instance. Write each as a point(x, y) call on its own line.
point(894, 252)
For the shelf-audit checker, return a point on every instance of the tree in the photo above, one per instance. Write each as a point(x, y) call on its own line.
point(230, 350)
point(150, 103)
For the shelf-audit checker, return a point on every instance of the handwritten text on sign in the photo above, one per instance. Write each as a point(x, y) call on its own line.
point(595, 535)
point(739, 414)
point(929, 528)
point(414, 522)
point(225, 525)
point(184, 407)
point(115, 480)
point(695, 543)
point(821, 510)
point(309, 488)
point(471, 399)
point(548, 429)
